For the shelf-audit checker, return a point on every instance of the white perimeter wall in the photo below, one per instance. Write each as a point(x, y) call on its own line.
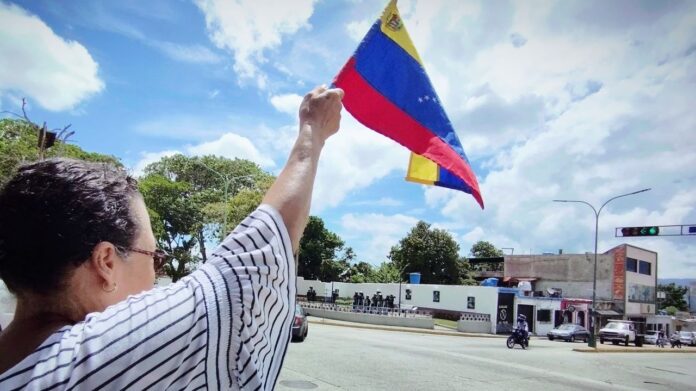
point(452, 297)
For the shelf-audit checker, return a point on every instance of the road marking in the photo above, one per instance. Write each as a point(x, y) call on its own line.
point(667, 370)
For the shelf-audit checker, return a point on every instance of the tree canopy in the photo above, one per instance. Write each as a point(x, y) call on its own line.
point(19, 141)
point(318, 251)
point(431, 252)
point(674, 297)
point(484, 249)
point(186, 200)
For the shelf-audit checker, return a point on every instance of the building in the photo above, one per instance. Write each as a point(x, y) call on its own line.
point(625, 286)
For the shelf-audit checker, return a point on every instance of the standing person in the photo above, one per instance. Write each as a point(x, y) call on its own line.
point(78, 252)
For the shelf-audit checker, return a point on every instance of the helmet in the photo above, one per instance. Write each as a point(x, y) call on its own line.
point(521, 317)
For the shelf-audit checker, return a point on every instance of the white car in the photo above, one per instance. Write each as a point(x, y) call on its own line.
point(687, 337)
point(651, 337)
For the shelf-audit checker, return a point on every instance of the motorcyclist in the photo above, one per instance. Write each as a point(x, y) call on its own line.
point(523, 326)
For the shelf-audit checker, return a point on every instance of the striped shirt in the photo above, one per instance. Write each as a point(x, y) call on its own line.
point(225, 326)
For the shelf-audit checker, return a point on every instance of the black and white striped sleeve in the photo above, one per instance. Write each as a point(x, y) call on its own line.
point(225, 326)
point(250, 282)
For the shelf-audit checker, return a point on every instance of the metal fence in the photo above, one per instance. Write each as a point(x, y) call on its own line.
point(373, 310)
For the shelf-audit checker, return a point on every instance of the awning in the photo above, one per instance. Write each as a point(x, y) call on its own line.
point(518, 279)
point(607, 313)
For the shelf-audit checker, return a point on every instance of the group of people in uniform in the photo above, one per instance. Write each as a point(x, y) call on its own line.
point(378, 300)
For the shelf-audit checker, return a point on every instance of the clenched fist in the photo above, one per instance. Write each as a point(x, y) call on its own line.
point(321, 110)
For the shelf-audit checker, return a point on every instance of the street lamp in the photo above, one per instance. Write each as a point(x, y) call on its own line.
point(226, 180)
point(592, 342)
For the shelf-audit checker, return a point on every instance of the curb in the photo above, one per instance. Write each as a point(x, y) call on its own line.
point(405, 330)
point(590, 350)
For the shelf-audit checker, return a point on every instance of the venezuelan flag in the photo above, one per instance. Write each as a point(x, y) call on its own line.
point(387, 90)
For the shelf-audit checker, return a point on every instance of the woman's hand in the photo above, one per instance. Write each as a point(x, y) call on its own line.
point(321, 111)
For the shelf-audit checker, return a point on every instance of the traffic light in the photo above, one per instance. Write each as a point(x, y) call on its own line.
point(640, 231)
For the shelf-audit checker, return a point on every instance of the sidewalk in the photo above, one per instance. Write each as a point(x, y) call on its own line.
point(604, 348)
point(436, 331)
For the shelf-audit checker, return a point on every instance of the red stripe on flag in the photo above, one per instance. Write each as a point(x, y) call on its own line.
point(376, 112)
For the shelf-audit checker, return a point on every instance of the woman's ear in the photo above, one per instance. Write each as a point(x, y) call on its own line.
point(103, 260)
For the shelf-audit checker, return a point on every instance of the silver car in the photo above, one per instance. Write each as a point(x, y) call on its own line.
point(687, 337)
point(651, 337)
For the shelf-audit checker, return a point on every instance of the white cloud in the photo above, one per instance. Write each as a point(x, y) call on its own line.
point(231, 145)
point(590, 106)
point(287, 103)
point(185, 53)
point(147, 158)
point(357, 30)
point(382, 232)
point(353, 159)
point(382, 202)
point(248, 28)
point(35, 62)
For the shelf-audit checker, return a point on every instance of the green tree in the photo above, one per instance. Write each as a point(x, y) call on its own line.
point(431, 252)
point(483, 249)
point(386, 272)
point(176, 217)
point(361, 272)
point(317, 245)
point(19, 144)
point(674, 296)
point(246, 201)
point(209, 178)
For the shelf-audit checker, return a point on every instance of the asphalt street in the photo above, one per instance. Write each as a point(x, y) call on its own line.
point(343, 358)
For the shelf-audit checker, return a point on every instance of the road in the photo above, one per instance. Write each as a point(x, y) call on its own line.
point(342, 358)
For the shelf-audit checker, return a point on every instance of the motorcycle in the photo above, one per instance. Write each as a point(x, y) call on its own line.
point(519, 338)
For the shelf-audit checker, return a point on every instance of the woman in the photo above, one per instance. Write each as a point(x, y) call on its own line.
point(77, 250)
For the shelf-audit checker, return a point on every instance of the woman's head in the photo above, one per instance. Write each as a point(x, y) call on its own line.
point(66, 227)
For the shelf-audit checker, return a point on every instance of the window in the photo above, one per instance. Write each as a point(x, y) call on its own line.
point(544, 315)
point(471, 302)
point(631, 265)
point(436, 296)
point(644, 267)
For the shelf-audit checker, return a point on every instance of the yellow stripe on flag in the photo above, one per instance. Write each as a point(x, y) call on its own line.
point(393, 27)
point(422, 170)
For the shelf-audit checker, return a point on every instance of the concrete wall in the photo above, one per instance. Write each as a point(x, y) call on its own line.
point(470, 326)
point(384, 320)
point(571, 272)
point(638, 308)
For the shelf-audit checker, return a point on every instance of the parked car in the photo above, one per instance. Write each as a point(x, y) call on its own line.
point(300, 326)
point(651, 337)
point(687, 337)
point(569, 333)
point(623, 331)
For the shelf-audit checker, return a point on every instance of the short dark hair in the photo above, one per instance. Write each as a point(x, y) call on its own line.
point(53, 213)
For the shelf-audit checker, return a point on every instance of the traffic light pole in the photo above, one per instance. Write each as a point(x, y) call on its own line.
point(592, 342)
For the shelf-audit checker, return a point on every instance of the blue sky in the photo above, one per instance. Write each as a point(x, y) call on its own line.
point(581, 100)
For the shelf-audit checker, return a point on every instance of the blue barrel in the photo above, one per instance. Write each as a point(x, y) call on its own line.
point(490, 282)
point(414, 278)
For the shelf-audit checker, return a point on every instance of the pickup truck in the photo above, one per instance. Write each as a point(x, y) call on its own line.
point(622, 331)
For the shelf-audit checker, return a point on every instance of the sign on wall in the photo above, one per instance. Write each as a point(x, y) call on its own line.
point(638, 293)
